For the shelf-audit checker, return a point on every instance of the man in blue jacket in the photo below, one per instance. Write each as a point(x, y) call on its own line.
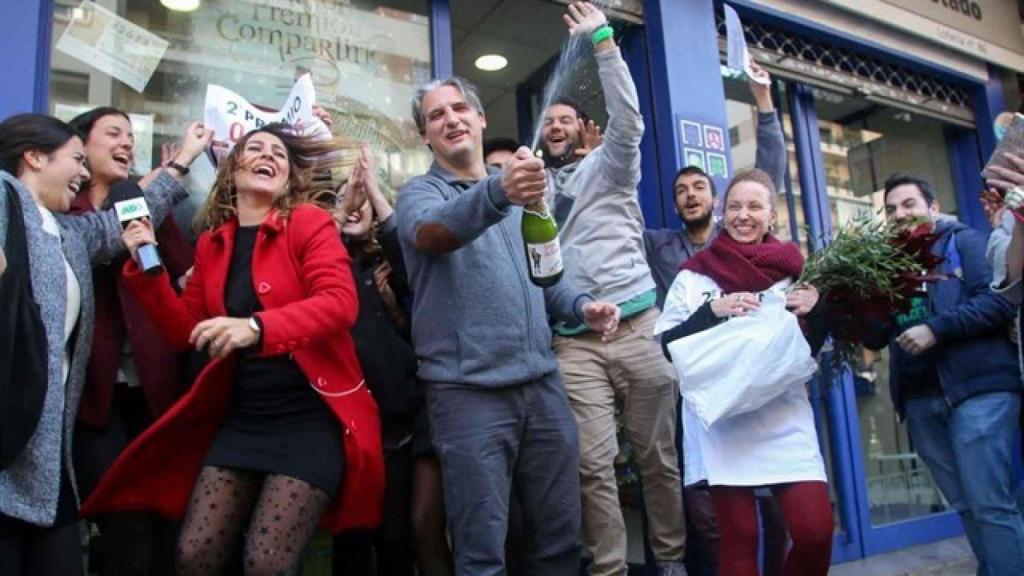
point(954, 377)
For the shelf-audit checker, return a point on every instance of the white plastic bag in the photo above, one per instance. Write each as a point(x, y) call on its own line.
point(740, 365)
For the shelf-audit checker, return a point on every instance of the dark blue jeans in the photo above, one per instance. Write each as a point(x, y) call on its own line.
point(489, 439)
point(969, 450)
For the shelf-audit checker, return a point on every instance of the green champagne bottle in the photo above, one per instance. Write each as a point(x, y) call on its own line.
point(540, 238)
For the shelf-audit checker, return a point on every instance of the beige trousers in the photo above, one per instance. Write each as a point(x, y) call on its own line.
point(631, 369)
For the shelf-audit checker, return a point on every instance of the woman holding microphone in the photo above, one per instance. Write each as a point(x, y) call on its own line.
point(279, 433)
point(775, 445)
point(133, 376)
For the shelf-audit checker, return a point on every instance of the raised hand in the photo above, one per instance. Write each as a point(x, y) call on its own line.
point(324, 116)
point(590, 138)
point(1008, 177)
point(584, 18)
point(195, 140)
point(760, 87)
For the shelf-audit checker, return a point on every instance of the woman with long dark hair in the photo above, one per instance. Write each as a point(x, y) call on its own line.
point(133, 376)
point(279, 433)
point(42, 166)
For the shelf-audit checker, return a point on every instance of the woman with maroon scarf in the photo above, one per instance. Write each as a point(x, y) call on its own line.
point(133, 375)
point(775, 446)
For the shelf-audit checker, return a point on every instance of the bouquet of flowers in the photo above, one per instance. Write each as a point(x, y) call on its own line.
point(870, 271)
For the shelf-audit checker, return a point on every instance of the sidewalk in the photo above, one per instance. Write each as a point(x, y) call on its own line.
point(951, 557)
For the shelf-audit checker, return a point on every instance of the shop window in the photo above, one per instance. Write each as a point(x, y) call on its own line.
point(366, 59)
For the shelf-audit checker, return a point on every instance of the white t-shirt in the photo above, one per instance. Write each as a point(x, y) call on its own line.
point(774, 444)
point(74, 290)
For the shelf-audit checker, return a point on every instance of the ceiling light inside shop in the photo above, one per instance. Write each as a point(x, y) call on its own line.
point(491, 62)
point(180, 5)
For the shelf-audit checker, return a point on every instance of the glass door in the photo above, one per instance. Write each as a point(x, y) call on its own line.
point(892, 500)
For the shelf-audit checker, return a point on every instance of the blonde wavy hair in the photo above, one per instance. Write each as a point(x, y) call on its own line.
point(309, 176)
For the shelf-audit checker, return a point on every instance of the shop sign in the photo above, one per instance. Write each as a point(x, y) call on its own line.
point(989, 30)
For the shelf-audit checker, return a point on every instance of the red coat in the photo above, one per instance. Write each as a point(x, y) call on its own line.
point(302, 278)
point(119, 315)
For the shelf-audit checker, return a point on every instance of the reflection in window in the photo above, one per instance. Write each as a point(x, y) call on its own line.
point(366, 59)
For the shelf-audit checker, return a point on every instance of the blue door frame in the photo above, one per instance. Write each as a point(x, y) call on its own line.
point(677, 38)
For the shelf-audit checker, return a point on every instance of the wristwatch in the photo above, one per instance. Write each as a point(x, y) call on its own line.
point(256, 327)
point(183, 170)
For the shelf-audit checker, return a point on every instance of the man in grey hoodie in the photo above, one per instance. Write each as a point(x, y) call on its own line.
point(497, 406)
point(602, 248)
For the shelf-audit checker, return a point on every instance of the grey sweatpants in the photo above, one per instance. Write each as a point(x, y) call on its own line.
point(491, 438)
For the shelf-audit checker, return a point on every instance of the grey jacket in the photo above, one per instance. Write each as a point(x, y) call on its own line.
point(30, 486)
point(602, 235)
point(668, 248)
point(477, 320)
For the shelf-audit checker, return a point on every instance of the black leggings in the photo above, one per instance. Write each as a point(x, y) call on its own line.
point(277, 514)
point(33, 551)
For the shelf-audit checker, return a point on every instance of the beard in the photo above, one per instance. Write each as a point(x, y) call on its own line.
point(568, 157)
point(700, 221)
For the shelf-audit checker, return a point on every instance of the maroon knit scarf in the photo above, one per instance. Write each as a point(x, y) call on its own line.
point(737, 267)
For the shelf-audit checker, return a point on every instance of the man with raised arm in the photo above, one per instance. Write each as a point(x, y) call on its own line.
point(595, 203)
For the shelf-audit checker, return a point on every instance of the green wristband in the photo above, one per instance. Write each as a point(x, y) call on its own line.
point(601, 34)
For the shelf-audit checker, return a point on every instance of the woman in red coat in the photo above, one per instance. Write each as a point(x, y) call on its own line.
point(279, 431)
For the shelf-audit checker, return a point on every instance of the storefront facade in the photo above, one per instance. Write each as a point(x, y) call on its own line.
point(864, 89)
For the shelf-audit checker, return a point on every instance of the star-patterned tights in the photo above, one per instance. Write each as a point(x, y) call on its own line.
point(282, 515)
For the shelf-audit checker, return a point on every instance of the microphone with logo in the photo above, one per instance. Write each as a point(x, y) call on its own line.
point(137, 209)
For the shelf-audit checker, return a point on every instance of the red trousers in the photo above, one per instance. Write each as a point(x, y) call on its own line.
point(808, 513)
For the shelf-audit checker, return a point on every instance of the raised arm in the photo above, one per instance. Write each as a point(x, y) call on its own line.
point(435, 221)
point(101, 231)
point(771, 144)
point(619, 153)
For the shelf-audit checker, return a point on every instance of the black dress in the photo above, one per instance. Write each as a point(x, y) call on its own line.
point(277, 422)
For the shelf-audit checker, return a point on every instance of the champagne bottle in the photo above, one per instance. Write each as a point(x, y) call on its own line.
point(540, 238)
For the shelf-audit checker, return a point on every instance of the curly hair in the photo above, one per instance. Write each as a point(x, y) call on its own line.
point(309, 176)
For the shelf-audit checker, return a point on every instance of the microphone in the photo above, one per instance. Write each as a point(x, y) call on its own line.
point(137, 209)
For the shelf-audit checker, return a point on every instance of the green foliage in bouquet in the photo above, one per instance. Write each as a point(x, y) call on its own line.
point(869, 272)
